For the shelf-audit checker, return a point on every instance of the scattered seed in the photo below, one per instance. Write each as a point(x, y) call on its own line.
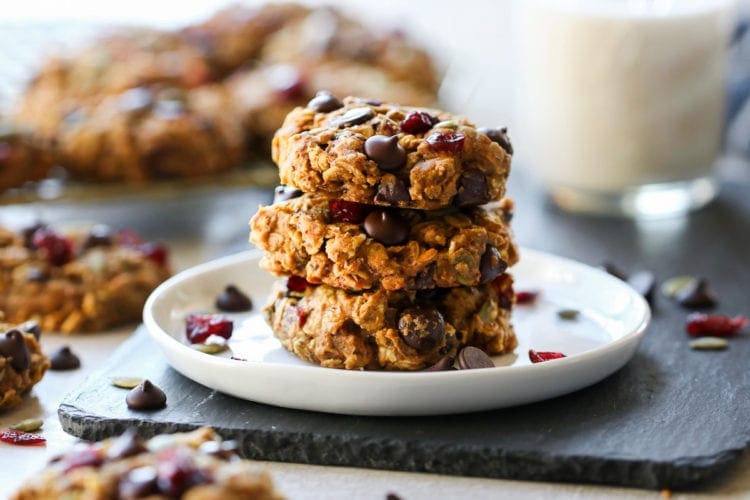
point(673, 285)
point(709, 343)
point(126, 382)
point(28, 425)
point(210, 348)
point(568, 314)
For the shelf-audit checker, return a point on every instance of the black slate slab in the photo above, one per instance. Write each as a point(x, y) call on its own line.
point(671, 418)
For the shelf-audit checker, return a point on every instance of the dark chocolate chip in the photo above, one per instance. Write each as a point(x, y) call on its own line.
point(284, 193)
point(387, 226)
point(64, 359)
point(392, 192)
point(644, 283)
point(471, 357)
point(425, 278)
point(233, 300)
point(13, 345)
point(491, 265)
point(31, 327)
point(696, 295)
point(472, 189)
point(136, 100)
point(421, 327)
point(498, 135)
point(385, 151)
point(393, 496)
point(127, 445)
point(146, 396)
point(445, 363)
point(99, 236)
point(28, 234)
point(612, 269)
point(138, 483)
point(324, 102)
point(226, 450)
point(354, 116)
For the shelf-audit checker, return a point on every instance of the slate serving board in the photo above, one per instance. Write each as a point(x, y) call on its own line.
point(671, 418)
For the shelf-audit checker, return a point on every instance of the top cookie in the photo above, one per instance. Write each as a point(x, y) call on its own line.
point(345, 150)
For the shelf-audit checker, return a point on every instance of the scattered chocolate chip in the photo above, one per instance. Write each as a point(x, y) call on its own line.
point(444, 364)
point(12, 345)
point(491, 265)
point(99, 236)
point(644, 283)
point(612, 269)
point(136, 100)
point(385, 151)
point(127, 445)
point(354, 116)
point(498, 135)
point(696, 295)
point(324, 102)
point(472, 189)
point(284, 193)
point(138, 483)
point(233, 300)
point(421, 327)
point(393, 192)
point(393, 496)
point(64, 359)
point(31, 327)
point(387, 226)
point(225, 450)
point(471, 357)
point(146, 396)
point(568, 314)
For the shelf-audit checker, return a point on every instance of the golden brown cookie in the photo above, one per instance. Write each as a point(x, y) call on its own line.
point(22, 364)
point(21, 157)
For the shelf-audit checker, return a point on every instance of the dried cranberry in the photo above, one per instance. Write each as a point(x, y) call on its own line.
point(128, 238)
point(56, 248)
point(296, 284)
point(417, 122)
point(540, 356)
point(301, 316)
point(88, 457)
point(156, 252)
point(447, 141)
point(526, 296)
point(348, 211)
point(21, 438)
point(699, 324)
point(177, 475)
point(199, 327)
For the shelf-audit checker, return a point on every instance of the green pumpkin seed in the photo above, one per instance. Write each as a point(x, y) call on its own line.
point(446, 124)
point(672, 286)
point(210, 348)
point(485, 313)
point(126, 382)
point(28, 425)
point(568, 314)
point(709, 343)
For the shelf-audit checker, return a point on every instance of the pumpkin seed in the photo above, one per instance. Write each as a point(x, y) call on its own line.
point(568, 314)
point(446, 124)
point(28, 425)
point(126, 382)
point(672, 286)
point(709, 343)
point(210, 348)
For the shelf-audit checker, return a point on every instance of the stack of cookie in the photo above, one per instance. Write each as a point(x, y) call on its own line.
point(393, 233)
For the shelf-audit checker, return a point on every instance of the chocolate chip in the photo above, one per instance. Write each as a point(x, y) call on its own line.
point(491, 265)
point(612, 269)
point(146, 396)
point(387, 226)
point(64, 359)
point(425, 278)
point(99, 236)
point(644, 283)
point(127, 445)
point(472, 189)
point(136, 100)
point(696, 295)
point(385, 151)
point(138, 483)
point(498, 135)
point(284, 193)
point(445, 363)
point(13, 345)
point(421, 327)
point(233, 300)
point(324, 102)
point(354, 116)
point(225, 450)
point(471, 357)
point(392, 192)
point(31, 327)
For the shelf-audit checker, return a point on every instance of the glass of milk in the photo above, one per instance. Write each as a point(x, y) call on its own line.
point(621, 102)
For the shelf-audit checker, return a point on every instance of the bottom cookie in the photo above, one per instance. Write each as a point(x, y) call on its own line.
point(401, 330)
point(22, 364)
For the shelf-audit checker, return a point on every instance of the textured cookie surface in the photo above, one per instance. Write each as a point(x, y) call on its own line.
point(21, 158)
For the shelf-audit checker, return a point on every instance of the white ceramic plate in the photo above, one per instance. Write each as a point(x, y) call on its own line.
point(612, 321)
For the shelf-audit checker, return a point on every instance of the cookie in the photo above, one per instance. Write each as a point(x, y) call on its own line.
point(196, 465)
point(148, 133)
point(343, 150)
point(359, 247)
point(21, 158)
point(77, 283)
point(400, 330)
point(22, 364)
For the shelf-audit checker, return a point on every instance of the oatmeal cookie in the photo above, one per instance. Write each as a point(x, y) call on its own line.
point(359, 247)
point(195, 466)
point(400, 330)
point(77, 283)
point(21, 157)
point(150, 133)
point(22, 364)
point(346, 150)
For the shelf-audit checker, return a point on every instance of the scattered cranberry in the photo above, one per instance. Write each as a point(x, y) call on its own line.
point(296, 284)
point(348, 211)
point(88, 457)
point(526, 297)
point(541, 356)
point(417, 122)
point(699, 324)
point(21, 438)
point(301, 317)
point(447, 141)
point(156, 252)
point(199, 327)
point(57, 249)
